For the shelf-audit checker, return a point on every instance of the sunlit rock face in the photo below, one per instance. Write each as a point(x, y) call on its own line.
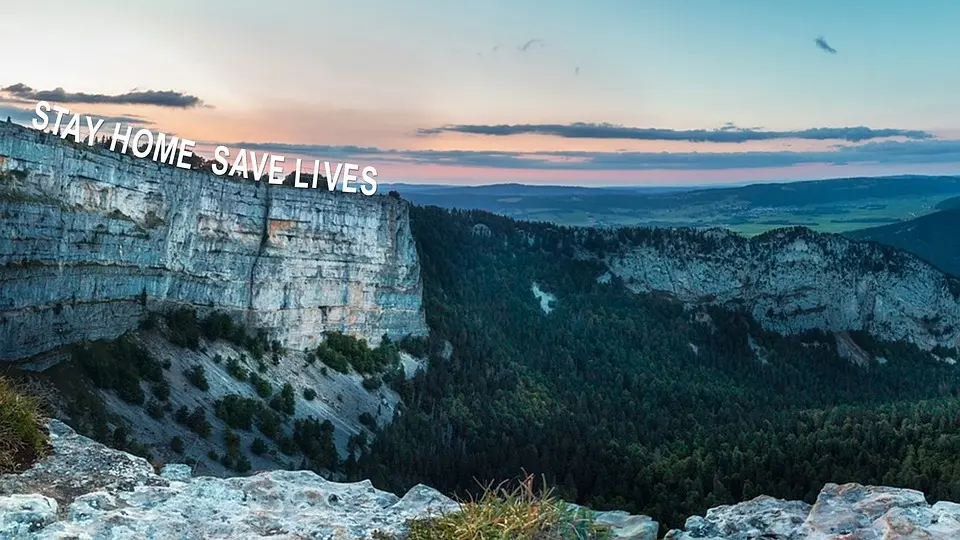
point(793, 280)
point(87, 234)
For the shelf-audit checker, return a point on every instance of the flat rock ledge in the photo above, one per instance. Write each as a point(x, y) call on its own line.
point(842, 512)
point(86, 491)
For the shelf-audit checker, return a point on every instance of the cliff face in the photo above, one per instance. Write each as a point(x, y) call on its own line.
point(86, 232)
point(792, 280)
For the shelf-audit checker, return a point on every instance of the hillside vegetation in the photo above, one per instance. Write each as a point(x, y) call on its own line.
point(632, 402)
point(931, 237)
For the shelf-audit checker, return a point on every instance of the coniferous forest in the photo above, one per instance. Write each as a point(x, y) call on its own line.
point(625, 401)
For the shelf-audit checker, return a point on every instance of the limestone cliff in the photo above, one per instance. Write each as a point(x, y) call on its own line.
point(795, 279)
point(87, 232)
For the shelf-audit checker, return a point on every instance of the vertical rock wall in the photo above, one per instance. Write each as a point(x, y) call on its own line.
point(86, 232)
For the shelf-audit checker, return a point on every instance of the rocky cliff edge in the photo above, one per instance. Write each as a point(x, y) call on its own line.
point(84, 490)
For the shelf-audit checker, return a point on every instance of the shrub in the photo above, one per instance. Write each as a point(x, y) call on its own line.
point(258, 446)
point(269, 422)
point(285, 401)
point(161, 390)
point(149, 322)
point(418, 346)
point(235, 370)
point(315, 440)
point(197, 377)
point(22, 439)
point(216, 326)
point(232, 441)
point(372, 383)
point(521, 513)
point(237, 411)
point(176, 444)
point(119, 440)
point(195, 421)
point(241, 464)
point(257, 345)
point(261, 385)
point(367, 420)
point(309, 394)
point(357, 443)
point(332, 358)
point(118, 365)
point(287, 446)
point(154, 409)
point(183, 328)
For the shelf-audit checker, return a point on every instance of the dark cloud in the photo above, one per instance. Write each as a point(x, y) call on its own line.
point(160, 98)
point(25, 116)
point(726, 134)
point(530, 43)
point(822, 43)
point(883, 153)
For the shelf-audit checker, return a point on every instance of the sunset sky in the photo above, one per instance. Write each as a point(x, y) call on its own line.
point(643, 92)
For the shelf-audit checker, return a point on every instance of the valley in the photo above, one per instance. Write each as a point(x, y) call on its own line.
point(659, 403)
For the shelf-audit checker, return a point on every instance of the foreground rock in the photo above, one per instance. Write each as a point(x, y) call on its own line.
point(85, 490)
point(842, 512)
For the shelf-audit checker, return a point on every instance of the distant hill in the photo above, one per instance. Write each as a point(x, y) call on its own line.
point(826, 205)
point(948, 204)
point(932, 237)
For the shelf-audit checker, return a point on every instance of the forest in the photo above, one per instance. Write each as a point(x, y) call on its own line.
point(634, 402)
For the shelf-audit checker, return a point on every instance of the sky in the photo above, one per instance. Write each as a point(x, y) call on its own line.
point(612, 92)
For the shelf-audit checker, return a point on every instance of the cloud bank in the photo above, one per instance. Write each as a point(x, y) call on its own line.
point(881, 153)
point(26, 116)
point(726, 134)
point(159, 98)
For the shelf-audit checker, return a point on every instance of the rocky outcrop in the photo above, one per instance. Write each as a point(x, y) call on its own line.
point(86, 490)
point(842, 512)
point(83, 489)
point(89, 235)
point(793, 280)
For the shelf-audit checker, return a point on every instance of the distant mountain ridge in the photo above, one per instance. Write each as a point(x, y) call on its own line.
point(933, 237)
point(829, 205)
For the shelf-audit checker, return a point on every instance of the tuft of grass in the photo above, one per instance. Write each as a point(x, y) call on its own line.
point(518, 513)
point(22, 439)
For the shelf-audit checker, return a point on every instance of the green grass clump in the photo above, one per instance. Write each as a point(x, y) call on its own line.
point(22, 440)
point(519, 513)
